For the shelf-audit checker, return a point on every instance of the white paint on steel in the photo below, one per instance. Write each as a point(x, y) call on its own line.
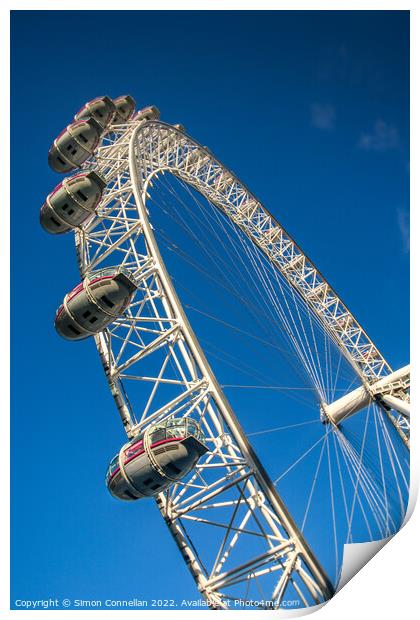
point(390, 389)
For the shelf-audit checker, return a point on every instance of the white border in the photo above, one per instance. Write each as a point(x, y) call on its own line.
point(387, 586)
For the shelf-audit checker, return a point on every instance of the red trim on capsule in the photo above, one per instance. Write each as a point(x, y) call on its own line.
point(158, 443)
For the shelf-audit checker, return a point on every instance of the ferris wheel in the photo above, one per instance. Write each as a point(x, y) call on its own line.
point(244, 539)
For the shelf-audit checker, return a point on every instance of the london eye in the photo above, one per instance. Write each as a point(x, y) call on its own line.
point(260, 495)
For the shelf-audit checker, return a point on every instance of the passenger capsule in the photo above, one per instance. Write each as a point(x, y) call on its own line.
point(74, 145)
point(95, 303)
point(125, 107)
point(165, 453)
point(180, 127)
point(102, 109)
point(151, 113)
point(71, 202)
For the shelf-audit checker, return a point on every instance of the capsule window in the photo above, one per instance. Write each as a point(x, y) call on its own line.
point(93, 319)
point(82, 195)
point(72, 149)
point(107, 301)
point(130, 495)
point(86, 314)
point(74, 330)
point(62, 162)
point(157, 435)
point(155, 486)
point(67, 208)
point(147, 482)
point(173, 468)
point(54, 221)
point(84, 139)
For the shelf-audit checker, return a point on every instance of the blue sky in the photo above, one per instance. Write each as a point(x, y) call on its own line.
point(311, 110)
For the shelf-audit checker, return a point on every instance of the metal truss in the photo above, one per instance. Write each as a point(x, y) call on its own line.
point(234, 532)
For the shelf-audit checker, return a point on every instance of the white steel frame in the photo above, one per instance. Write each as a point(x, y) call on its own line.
point(130, 156)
